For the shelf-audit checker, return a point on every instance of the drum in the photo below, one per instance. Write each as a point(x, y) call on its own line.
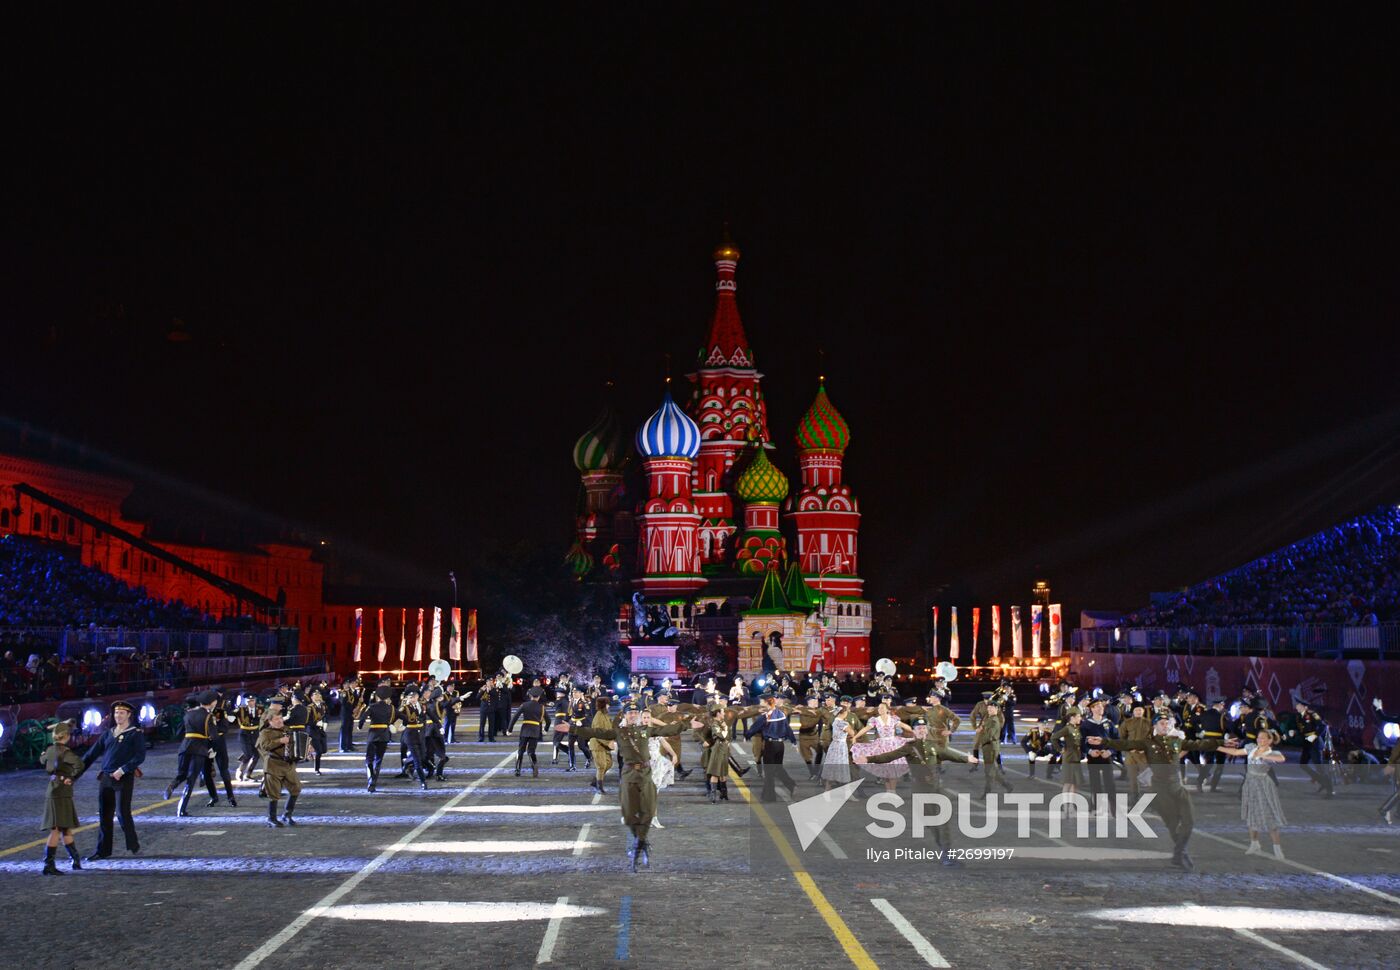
point(298, 746)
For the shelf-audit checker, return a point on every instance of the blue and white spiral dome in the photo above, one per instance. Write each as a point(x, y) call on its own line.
point(669, 433)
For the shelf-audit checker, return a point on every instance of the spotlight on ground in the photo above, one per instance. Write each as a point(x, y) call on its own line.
point(1391, 731)
point(92, 719)
point(622, 685)
point(147, 716)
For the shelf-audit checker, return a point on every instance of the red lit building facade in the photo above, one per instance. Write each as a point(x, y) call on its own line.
point(279, 571)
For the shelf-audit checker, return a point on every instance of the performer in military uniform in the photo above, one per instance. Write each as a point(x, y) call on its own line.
point(808, 721)
point(987, 744)
point(434, 747)
point(638, 792)
point(379, 713)
point(1071, 742)
point(1308, 727)
point(923, 755)
point(1135, 728)
point(60, 817)
point(119, 753)
point(1214, 725)
point(224, 722)
point(279, 771)
point(1099, 760)
point(316, 727)
point(1036, 744)
point(602, 750)
point(195, 751)
point(248, 722)
point(530, 715)
point(486, 710)
point(1163, 749)
point(350, 695)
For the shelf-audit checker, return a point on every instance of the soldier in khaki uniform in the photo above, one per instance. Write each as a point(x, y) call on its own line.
point(942, 721)
point(807, 724)
point(987, 744)
point(601, 750)
point(1164, 748)
point(1135, 728)
point(638, 792)
point(718, 730)
point(1071, 753)
point(923, 755)
point(279, 771)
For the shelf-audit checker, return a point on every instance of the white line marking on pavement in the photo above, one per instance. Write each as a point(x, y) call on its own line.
point(551, 933)
point(916, 939)
point(532, 809)
point(334, 896)
point(1280, 949)
point(210, 832)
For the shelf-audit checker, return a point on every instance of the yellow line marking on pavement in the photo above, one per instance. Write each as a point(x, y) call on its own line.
point(82, 828)
point(854, 951)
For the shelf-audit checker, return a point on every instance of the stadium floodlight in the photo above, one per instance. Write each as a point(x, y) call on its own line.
point(148, 714)
point(92, 719)
point(622, 685)
point(1391, 731)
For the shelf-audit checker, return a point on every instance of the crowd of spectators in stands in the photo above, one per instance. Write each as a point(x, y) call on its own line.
point(1348, 574)
point(45, 586)
point(32, 673)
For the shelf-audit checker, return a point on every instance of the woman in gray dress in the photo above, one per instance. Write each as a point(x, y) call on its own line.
point(1259, 803)
point(60, 817)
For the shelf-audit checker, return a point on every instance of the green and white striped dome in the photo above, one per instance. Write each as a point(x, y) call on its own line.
point(600, 448)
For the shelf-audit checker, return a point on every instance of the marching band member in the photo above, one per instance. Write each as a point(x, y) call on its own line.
point(279, 772)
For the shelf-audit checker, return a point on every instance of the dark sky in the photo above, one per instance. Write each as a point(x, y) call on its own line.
point(1104, 299)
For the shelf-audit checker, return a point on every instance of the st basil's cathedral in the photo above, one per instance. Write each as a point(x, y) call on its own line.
point(711, 536)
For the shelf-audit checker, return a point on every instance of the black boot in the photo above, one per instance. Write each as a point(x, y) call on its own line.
point(49, 868)
point(519, 760)
point(724, 791)
point(534, 768)
point(73, 854)
point(643, 859)
point(228, 790)
point(370, 778)
point(631, 854)
point(272, 821)
point(183, 809)
point(287, 815)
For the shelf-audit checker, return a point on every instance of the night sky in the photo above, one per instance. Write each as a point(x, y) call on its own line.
point(1104, 300)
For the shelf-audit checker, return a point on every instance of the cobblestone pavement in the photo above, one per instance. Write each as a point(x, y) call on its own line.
point(488, 869)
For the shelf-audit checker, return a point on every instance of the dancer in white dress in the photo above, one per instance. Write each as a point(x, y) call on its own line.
point(663, 769)
point(836, 765)
point(1259, 803)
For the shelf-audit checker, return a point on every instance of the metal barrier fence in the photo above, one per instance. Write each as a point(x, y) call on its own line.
point(71, 643)
point(1303, 640)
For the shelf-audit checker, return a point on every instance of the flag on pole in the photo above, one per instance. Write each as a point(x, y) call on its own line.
point(996, 632)
point(359, 625)
point(1016, 648)
point(976, 622)
point(454, 636)
point(935, 634)
point(471, 636)
point(403, 636)
point(435, 644)
point(1036, 610)
point(418, 639)
point(953, 650)
point(383, 646)
point(1057, 633)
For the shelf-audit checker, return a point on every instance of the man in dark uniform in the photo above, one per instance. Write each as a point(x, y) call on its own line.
point(1100, 760)
point(379, 713)
point(121, 750)
point(1308, 728)
point(530, 714)
point(773, 727)
point(451, 707)
point(1173, 802)
point(195, 752)
point(1214, 724)
point(411, 715)
point(434, 713)
point(350, 694)
point(486, 710)
point(503, 699)
point(638, 791)
point(923, 755)
point(224, 722)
